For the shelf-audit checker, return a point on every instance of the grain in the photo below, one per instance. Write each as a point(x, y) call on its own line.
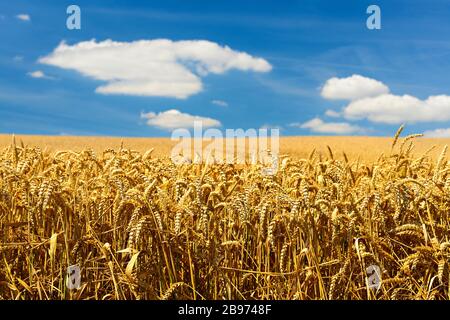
point(141, 227)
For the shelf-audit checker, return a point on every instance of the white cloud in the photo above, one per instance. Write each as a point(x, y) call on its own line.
point(159, 67)
point(38, 74)
point(438, 133)
point(220, 103)
point(23, 17)
point(18, 58)
point(332, 113)
point(174, 119)
point(319, 126)
point(370, 99)
point(393, 109)
point(352, 88)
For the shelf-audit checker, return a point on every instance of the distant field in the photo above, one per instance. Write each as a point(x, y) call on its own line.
point(366, 148)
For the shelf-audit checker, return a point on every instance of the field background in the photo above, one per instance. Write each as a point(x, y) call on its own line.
point(366, 148)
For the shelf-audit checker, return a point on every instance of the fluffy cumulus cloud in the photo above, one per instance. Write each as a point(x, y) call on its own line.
point(23, 17)
point(319, 126)
point(174, 119)
point(159, 67)
point(438, 133)
point(393, 109)
point(352, 88)
point(371, 99)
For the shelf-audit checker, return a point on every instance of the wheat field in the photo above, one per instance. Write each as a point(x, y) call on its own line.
point(141, 227)
point(356, 147)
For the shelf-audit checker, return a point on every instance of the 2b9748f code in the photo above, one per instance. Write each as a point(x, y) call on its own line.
point(232, 309)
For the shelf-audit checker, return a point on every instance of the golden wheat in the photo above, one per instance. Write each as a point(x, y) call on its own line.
point(141, 227)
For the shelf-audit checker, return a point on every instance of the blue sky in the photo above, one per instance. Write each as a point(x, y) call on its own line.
point(305, 43)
